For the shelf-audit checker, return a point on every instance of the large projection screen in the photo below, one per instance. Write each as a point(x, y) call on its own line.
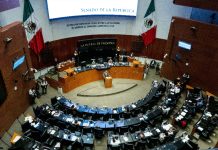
point(69, 8)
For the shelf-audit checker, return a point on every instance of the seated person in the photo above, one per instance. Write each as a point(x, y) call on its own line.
point(106, 74)
point(177, 80)
point(165, 110)
point(141, 135)
point(155, 83)
point(132, 54)
point(169, 102)
point(152, 64)
point(200, 103)
point(171, 85)
point(110, 62)
point(186, 77)
point(162, 137)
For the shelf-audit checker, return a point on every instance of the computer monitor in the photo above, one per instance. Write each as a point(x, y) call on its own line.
point(18, 61)
point(83, 64)
point(185, 45)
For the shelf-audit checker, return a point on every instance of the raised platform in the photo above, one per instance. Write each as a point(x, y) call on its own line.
point(68, 83)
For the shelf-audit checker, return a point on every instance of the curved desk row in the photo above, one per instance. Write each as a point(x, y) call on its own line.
point(166, 130)
point(46, 128)
point(179, 143)
point(68, 104)
point(74, 80)
point(67, 118)
point(27, 143)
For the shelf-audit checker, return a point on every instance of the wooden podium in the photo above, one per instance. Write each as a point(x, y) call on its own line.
point(107, 79)
point(108, 82)
point(136, 63)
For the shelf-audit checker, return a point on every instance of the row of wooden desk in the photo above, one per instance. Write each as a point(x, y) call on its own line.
point(73, 80)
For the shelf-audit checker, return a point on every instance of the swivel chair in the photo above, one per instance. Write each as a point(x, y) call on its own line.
point(140, 145)
point(128, 146)
point(135, 128)
point(54, 100)
point(123, 130)
point(86, 130)
point(99, 133)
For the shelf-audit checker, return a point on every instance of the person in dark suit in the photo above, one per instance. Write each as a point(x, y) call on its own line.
point(44, 85)
point(37, 89)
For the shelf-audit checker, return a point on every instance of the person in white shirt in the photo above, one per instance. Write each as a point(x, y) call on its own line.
point(44, 85)
point(165, 110)
point(110, 62)
point(32, 95)
point(155, 83)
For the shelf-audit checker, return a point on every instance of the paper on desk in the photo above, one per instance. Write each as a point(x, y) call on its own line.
point(183, 113)
point(200, 128)
point(73, 138)
point(167, 127)
point(53, 112)
point(57, 114)
point(147, 134)
point(36, 125)
point(209, 114)
point(125, 138)
point(185, 139)
point(158, 130)
point(141, 118)
point(179, 117)
point(185, 110)
point(79, 122)
point(115, 111)
point(69, 119)
point(65, 136)
point(58, 145)
point(86, 124)
point(116, 142)
point(52, 132)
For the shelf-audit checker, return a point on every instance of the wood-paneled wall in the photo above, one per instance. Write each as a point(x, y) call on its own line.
point(17, 100)
point(202, 58)
point(64, 49)
point(205, 4)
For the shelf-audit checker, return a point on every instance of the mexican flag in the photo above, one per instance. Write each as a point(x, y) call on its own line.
point(149, 26)
point(32, 28)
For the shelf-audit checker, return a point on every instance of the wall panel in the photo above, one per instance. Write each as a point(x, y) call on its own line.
point(64, 49)
point(206, 4)
point(17, 100)
point(202, 57)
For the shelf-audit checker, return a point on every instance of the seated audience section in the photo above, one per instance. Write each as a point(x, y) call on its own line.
point(208, 122)
point(140, 125)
